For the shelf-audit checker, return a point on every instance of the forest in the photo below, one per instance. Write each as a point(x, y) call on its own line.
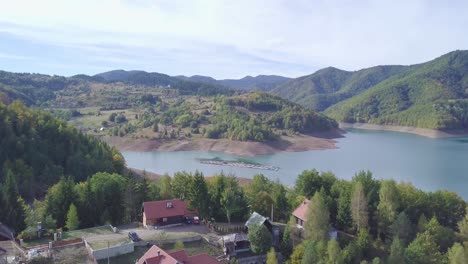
point(38, 150)
point(378, 221)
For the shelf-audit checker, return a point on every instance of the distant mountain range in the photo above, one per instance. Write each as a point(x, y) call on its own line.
point(431, 95)
point(260, 82)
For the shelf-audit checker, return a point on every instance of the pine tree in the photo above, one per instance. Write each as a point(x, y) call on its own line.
point(397, 252)
point(198, 193)
point(72, 218)
point(422, 223)
point(388, 205)
point(359, 207)
point(286, 246)
point(457, 254)
point(14, 214)
point(334, 254)
point(318, 219)
point(271, 257)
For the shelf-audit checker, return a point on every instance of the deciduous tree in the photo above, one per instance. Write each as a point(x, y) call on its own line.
point(317, 219)
point(260, 239)
point(359, 207)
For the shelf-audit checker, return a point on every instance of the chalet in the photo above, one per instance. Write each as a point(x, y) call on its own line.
point(167, 212)
point(156, 255)
point(300, 214)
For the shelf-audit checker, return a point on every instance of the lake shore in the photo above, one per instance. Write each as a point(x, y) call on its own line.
point(296, 143)
point(152, 176)
point(425, 132)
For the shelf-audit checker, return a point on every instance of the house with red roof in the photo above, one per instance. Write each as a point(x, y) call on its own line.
point(167, 212)
point(156, 255)
point(300, 213)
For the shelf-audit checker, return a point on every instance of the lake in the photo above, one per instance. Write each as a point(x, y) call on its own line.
point(429, 164)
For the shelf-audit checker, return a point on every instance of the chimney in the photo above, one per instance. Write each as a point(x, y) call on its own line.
point(159, 253)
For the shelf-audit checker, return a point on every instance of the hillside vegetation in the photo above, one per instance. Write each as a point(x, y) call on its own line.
point(329, 86)
point(38, 149)
point(429, 95)
point(255, 116)
point(260, 82)
point(112, 90)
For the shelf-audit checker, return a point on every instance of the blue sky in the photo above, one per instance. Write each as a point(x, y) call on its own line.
point(225, 39)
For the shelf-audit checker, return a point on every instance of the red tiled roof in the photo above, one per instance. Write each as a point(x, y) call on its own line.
point(301, 211)
point(151, 257)
point(159, 209)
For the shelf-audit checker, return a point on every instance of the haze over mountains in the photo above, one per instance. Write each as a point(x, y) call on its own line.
point(431, 95)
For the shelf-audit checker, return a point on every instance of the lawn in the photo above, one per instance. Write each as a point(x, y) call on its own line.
point(100, 230)
point(109, 243)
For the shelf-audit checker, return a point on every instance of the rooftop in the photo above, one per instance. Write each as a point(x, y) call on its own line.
point(166, 208)
point(156, 255)
point(256, 219)
point(301, 211)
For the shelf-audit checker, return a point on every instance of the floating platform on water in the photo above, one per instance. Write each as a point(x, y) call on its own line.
point(238, 164)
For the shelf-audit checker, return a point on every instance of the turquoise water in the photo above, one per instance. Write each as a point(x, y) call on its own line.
point(430, 164)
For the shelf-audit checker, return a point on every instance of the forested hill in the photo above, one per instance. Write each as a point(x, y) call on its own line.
point(47, 90)
point(38, 149)
point(429, 95)
point(185, 87)
point(329, 86)
point(260, 82)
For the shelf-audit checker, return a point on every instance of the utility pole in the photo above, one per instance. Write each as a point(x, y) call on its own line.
point(272, 212)
point(108, 254)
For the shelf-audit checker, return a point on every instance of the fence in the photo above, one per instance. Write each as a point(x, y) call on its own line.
point(167, 241)
point(225, 228)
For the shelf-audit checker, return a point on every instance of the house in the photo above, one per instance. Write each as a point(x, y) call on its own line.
point(167, 212)
point(235, 243)
point(258, 219)
point(156, 255)
point(300, 213)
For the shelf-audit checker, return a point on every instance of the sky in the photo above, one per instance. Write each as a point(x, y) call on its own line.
point(225, 39)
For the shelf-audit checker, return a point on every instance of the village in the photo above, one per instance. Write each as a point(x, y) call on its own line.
point(165, 228)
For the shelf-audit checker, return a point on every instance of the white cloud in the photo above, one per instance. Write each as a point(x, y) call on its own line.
point(302, 34)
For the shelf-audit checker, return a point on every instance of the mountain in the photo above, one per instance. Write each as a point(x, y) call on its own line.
point(41, 89)
point(429, 95)
point(184, 86)
point(260, 82)
point(329, 86)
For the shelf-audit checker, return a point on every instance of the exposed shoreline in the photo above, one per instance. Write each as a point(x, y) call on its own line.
point(296, 143)
point(425, 132)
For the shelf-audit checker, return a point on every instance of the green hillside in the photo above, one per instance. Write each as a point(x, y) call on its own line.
point(115, 89)
point(329, 86)
point(429, 95)
point(38, 149)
